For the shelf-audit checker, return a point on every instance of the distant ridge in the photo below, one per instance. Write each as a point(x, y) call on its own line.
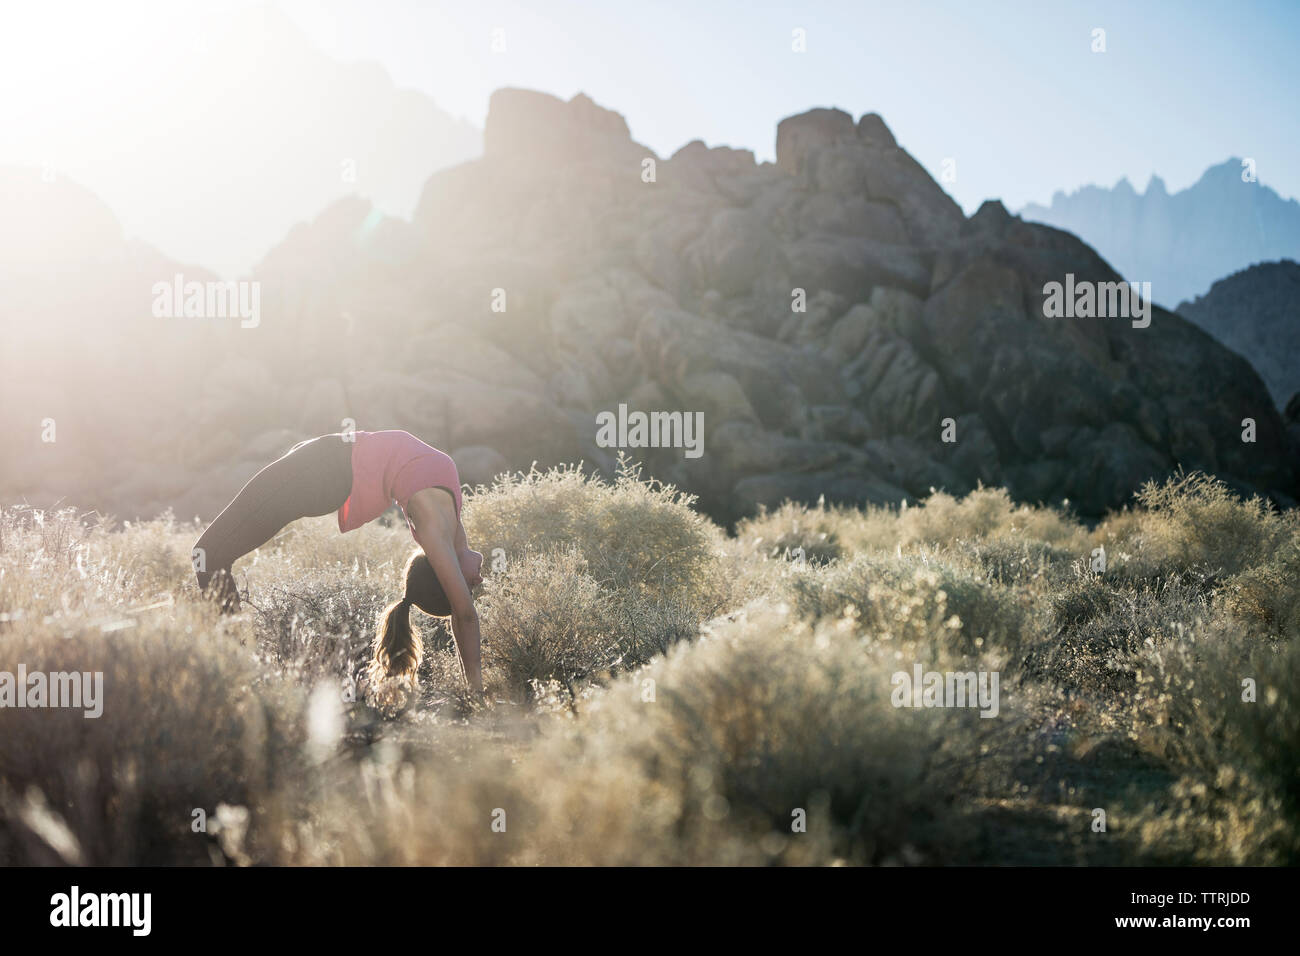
point(1181, 242)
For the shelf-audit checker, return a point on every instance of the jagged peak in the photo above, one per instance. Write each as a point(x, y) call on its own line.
point(521, 121)
point(797, 135)
point(718, 158)
point(872, 129)
point(991, 218)
point(696, 147)
point(991, 211)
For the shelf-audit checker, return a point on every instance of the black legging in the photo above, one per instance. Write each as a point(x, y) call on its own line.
point(314, 478)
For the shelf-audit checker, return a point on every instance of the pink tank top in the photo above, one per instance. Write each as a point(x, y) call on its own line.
point(391, 466)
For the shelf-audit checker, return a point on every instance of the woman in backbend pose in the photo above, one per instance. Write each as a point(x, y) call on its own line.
point(358, 474)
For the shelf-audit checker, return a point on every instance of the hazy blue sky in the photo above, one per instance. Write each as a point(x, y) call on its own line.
point(1011, 90)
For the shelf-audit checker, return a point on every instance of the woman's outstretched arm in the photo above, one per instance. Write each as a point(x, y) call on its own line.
point(433, 518)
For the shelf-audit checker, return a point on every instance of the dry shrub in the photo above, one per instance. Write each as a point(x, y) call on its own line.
point(550, 620)
point(1099, 628)
point(1239, 750)
point(942, 519)
point(633, 534)
point(190, 721)
point(1194, 523)
point(1267, 595)
point(892, 596)
point(793, 529)
point(544, 619)
point(1007, 559)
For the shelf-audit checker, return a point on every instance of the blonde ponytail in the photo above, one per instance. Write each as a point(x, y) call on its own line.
point(391, 676)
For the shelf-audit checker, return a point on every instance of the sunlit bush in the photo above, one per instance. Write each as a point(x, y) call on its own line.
point(632, 533)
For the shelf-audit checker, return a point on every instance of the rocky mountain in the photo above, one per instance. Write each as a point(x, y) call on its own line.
point(1181, 242)
point(1256, 313)
point(833, 316)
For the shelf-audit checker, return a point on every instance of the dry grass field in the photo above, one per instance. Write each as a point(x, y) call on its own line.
point(661, 691)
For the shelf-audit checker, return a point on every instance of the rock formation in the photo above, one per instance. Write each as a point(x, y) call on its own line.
point(833, 315)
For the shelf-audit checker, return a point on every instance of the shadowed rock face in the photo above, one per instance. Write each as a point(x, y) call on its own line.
point(1256, 313)
point(828, 314)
